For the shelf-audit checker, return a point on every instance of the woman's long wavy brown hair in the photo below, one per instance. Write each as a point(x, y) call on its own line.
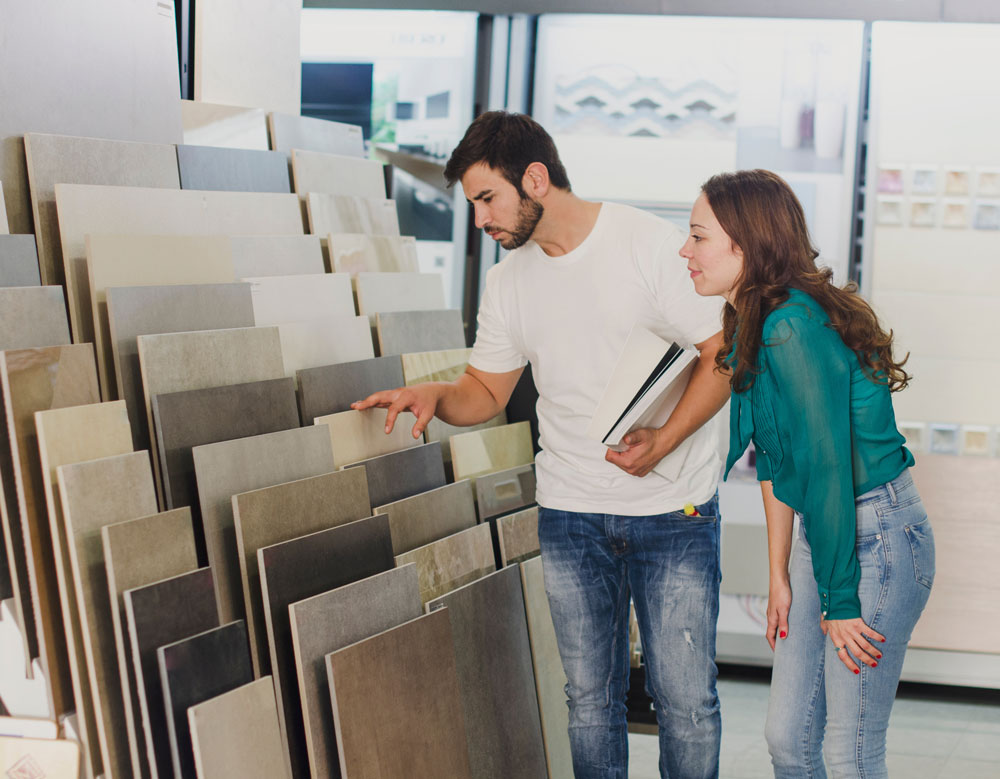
point(762, 216)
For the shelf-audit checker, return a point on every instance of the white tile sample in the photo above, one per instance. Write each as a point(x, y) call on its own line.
point(358, 435)
point(232, 127)
point(301, 298)
point(324, 342)
point(337, 174)
point(350, 214)
point(378, 292)
point(356, 253)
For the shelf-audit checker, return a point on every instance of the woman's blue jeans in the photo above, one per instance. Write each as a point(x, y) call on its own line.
point(669, 565)
point(811, 690)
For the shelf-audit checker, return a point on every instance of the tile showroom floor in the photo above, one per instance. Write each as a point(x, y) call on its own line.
point(934, 733)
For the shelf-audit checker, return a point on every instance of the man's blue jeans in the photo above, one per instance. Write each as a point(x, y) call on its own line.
point(669, 565)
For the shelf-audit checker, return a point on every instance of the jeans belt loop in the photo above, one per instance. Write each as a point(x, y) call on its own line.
point(892, 493)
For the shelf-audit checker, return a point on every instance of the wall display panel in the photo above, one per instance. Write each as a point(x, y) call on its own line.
point(337, 174)
point(232, 170)
point(356, 253)
point(18, 261)
point(351, 214)
point(304, 132)
point(231, 127)
point(300, 298)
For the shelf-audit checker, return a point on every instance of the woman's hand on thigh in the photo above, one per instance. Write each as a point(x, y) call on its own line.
point(779, 602)
point(851, 637)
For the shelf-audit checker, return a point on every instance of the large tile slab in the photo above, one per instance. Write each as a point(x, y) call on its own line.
point(505, 491)
point(65, 436)
point(32, 316)
point(324, 342)
point(333, 620)
point(194, 670)
point(494, 449)
point(232, 170)
point(139, 552)
point(383, 292)
point(41, 757)
point(67, 159)
point(337, 174)
point(37, 380)
point(550, 679)
point(495, 676)
point(330, 389)
point(18, 259)
point(402, 474)
point(451, 562)
point(237, 735)
point(93, 494)
point(283, 512)
point(396, 703)
point(518, 536)
point(403, 332)
point(350, 214)
point(429, 516)
point(231, 467)
point(301, 298)
point(228, 126)
point(308, 133)
point(294, 570)
point(276, 255)
point(356, 253)
point(360, 435)
point(184, 420)
point(87, 210)
point(158, 614)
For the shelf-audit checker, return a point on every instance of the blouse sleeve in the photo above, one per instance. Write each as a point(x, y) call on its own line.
point(812, 375)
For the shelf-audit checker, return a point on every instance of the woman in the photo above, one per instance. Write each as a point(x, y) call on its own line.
point(812, 373)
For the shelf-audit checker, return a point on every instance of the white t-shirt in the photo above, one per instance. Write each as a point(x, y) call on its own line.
point(569, 317)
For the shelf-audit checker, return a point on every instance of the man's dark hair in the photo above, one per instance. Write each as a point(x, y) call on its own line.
point(508, 143)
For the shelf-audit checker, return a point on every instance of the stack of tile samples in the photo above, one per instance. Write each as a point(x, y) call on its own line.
point(213, 561)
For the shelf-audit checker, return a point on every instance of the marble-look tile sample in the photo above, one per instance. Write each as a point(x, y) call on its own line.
point(232, 170)
point(301, 298)
point(550, 679)
point(231, 467)
point(350, 214)
point(87, 210)
point(451, 562)
point(494, 449)
point(356, 253)
point(505, 491)
point(294, 570)
point(337, 174)
point(93, 494)
point(495, 676)
point(308, 133)
point(396, 703)
point(194, 670)
point(283, 512)
point(67, 159)
point(231, 127)
point(330, 389)
point(518, 536)
point(236, 734)
point(135, 311)
point(403, 332)
point(158, 614)
point(18, 260)
point(139, 552)
point(188, 419)
point(333, 620)
point(276, 255)
point(324, 342)
point(37, 380)
point(33, 316)
point(402, 474)
point(360, 435)
point(429, 516)
point(379, 292)
point(38, 757)
point(65, 436)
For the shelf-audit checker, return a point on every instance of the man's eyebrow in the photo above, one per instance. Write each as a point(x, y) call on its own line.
point(482, 194)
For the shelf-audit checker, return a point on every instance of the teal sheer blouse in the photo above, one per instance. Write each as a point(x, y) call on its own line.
point(825, 433)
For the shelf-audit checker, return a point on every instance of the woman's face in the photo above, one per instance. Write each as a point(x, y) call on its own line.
point(714, 260)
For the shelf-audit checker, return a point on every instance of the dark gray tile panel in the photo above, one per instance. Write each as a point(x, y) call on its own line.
point(330, 389)
point(399, 475)
point(403, 332)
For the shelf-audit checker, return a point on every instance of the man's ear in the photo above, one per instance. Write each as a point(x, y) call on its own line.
point(535, 181)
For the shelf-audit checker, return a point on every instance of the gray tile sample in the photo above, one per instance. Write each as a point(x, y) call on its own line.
point(450, 562)
point(159, 614)
point(430, 516)
point(517, 535)
point(276, 255)
point(333, 620)
point(308, 133)
point(232, 170)
point(504, 491)
point(331, 389)
point(399, 475)
point(396, 703)
point(401, 332)
point(298, 569)
point(184, 420)
point(135, 311)
point(495, 676)
point(32, 316)
point(194, 670)
point(231, 467)
point(18, 260)
point(281, 513)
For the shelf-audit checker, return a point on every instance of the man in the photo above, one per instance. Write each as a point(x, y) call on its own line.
point(579, 276)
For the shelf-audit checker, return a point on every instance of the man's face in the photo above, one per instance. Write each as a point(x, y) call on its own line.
point(500, 210)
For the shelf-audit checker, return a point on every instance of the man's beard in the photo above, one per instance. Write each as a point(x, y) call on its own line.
point(529, 214)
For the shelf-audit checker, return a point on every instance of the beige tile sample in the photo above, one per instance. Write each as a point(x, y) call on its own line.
point(358, 435)
point(301, 298)
point(4, 225)
point(356, 253)
point(518, 536)
point(379, 292)
point(94, 494)
point(311, 134)
point(276, 255)
point(430, 516)
point(32, 316)
point(322, 342)
point(234, 127)
point(138, 552)
point(280, 513)
point(450, 562)
point(337, 174)
point(38, 757)
point(85, 209)
point(493, 449)
point(236, 734)
point(350, 214)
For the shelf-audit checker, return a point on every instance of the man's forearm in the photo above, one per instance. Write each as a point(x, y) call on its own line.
point(706, 393)
point(466, 401)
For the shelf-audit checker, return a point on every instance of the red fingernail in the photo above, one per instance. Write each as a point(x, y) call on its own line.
point(874, 664)
point(856, 671)
point(879, 656)
point(783, 634)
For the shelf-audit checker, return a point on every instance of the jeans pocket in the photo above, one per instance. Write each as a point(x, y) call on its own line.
point(921, 539)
